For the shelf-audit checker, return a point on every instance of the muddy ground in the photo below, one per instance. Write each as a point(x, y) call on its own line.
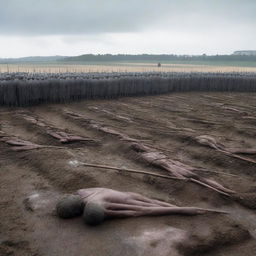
point(32, 181)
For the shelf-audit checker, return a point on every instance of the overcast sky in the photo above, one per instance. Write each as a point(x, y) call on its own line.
point(74, 27)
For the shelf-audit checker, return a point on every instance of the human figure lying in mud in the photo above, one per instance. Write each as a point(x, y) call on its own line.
point(98, 204)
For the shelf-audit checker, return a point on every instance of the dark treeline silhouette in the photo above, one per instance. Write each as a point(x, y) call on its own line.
point(24, 89)
point(32, 59)
point(157, 58)
point(134, 58)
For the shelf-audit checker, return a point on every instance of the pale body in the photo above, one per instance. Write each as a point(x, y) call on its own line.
point(128, 204)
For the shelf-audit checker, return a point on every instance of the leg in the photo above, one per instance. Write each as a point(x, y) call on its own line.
point(141, 203)
point(120, 214)
point(178, 210)
point(161, 203)
point(154, 211)
point(124, 207)
point(141, 198)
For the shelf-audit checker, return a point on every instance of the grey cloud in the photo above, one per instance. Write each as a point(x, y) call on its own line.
point(77, 16)
point(71, 17)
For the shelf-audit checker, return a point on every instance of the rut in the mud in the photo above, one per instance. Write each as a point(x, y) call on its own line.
point(18, 144)
point(56, 133)
point(154, 157)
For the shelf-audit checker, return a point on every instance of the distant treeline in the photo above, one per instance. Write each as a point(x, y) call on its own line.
point(33, 59)
point(133, 58)
point(156, 58)
point(24, 89)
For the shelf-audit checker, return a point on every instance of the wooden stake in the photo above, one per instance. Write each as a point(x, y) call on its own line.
point(130, 170)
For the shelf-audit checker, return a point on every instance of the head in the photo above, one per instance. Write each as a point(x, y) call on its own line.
point(70, 206)
point(93, 213)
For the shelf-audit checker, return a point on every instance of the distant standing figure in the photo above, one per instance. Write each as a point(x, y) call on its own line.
point(98, 204)
point(159, 64)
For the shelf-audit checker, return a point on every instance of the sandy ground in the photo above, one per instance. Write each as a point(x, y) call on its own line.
point(120, 67)
point(32, 181)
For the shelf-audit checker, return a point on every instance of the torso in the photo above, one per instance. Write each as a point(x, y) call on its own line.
point(103, 195)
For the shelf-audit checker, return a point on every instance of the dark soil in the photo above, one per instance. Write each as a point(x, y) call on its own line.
point(32, 181)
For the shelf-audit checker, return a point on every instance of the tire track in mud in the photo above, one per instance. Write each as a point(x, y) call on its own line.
point(50, 163)
point(216, 124)
point(215, 158)
point(54, 164)
point(180, 145)
point(239, 183)
point(209, 155)
point(158, 184)
point(61, 135)
point(223, 126)
point(148, 154)
point(201, 106)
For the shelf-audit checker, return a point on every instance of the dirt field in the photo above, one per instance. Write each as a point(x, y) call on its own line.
point(31, 181)
point(121, 67)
